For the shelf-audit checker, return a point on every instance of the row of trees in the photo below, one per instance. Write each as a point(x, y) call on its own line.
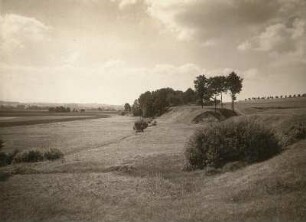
point(155, 103)
point(211, 88)
point(276, 97)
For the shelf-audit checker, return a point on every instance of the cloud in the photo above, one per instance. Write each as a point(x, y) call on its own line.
point(209, 19)
point(17, 31)
point(277, 38)
point(18, 34)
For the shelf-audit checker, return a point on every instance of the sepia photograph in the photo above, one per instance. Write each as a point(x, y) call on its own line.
point(153, 110)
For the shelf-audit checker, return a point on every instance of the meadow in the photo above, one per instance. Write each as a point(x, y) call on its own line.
point(111, 173)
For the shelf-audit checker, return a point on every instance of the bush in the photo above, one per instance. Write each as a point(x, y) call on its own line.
point(6, 158)
point(240, 140)
point(29, 156)
point(293, 133)
point(53, 154)
point(140, 125)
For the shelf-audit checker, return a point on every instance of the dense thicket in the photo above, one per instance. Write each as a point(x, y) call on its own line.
point(155, 103)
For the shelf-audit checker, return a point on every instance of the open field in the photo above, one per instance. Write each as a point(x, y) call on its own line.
point(8, 119)
point(110, 173)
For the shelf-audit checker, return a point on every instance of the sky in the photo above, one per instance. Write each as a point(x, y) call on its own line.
point(112, 51)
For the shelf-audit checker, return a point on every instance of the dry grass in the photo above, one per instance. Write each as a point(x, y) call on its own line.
point(112, 174)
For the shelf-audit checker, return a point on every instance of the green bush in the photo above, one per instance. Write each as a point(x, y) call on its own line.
point(235, 140)
point(140, 125)
point(53, 154)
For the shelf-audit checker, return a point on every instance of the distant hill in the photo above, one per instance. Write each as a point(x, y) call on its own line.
point(70, 105)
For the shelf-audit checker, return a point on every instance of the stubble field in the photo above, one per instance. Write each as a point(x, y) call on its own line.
point(110, 173)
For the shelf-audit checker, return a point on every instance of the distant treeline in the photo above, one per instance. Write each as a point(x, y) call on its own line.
point(22, 107)
point(60, 109)
point(275, 97)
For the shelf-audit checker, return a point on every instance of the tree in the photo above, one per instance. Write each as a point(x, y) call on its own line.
point(127, 107)
point(202, 89)
point(217, 85)
point(234, 84)
point(223, 87)
point(136, 110)
point(189, 96)
point(146, 104)
point(214, 88)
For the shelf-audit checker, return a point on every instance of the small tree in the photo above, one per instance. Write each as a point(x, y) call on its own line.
point(234, 85)
point(127, 107)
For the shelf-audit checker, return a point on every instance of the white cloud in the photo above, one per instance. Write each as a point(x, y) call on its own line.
point(277, 38)
point(16, 32)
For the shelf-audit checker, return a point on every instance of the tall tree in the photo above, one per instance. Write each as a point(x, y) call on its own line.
point(222, 88)
point(215, 88)
point(202, 89)
point(234, 84)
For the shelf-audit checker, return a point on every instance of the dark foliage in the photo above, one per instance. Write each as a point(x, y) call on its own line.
point(53, 154)
point(140, 125)
point(29, 156)
point(155, 103)
point(292, 133)
point(59, 109)
point(218, 144)
point(7, 158)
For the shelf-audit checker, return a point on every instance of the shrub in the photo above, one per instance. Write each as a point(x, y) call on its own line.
point(140, 125)
point(29, 156)
point(53, 154)
point(240, 140)
point(154, 123)
point(294, 132)
point(6, 158)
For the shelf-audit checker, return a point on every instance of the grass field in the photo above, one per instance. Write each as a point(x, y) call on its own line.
point(110, 173)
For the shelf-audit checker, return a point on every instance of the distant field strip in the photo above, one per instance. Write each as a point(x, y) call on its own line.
point(21, 121)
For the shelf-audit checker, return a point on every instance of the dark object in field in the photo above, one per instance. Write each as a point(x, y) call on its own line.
point(37, 156)
point(6, 158)
point(53, 154)
point(29, 156)
point(140, 125)
point(240, 140)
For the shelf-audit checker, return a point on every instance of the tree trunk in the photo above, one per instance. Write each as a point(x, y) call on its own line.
point(233, 101)
point(215, 104)
point(221, 101)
